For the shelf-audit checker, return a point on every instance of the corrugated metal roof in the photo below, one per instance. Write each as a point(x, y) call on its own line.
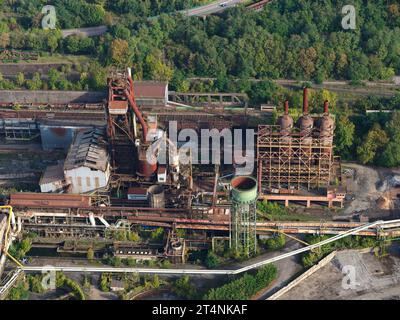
point(88, 149)
point(53, 174)
point(150, 89)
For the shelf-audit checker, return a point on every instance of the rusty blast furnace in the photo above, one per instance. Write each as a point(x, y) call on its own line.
point(292, 157)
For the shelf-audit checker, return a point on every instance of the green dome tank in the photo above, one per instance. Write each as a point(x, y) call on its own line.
point(244, 189)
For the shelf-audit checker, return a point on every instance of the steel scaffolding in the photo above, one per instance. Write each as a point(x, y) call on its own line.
point(292, 161)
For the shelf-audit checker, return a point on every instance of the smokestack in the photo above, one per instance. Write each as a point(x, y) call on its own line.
point(286, 107)
point(326, 107)
point(305, 101)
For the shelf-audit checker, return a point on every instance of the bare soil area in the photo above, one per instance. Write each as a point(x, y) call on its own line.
point(374, 279)
point(373, 191)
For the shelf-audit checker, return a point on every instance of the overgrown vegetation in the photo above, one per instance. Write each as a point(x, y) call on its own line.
point(35, 283)
point(123, 235)
point(275, 212)
point(352, 242)
point(276, 242)
point(212, 260)
point(244, 287)
point(133, 283)
point(184, 289)
point(19, 291)
point(64, 282)
point(19, 249)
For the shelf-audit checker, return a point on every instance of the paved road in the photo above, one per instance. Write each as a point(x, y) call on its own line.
point(214, 7)
point(288, 269)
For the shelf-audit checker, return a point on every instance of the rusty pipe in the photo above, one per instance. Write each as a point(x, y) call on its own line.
point(131, 100)
point(286, 107)
point(326, 107)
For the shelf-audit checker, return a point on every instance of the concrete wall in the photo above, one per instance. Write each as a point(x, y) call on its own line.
point(83, 179)
point(52, 187)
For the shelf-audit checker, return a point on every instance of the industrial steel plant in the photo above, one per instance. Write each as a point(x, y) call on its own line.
point(111, 178)
point(135, 185)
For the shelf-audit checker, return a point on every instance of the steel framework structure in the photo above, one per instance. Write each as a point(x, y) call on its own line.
point(243, 228)
point(290, 162)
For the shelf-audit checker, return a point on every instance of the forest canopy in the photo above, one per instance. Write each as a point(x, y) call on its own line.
point(293, 39)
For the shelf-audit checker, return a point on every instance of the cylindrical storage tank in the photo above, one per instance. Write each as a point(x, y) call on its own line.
point(286, 121)
point(286, 125)
point(146, 168)
point(327, 127)
point(157, 196)
point(244, 189)
point(306, 125)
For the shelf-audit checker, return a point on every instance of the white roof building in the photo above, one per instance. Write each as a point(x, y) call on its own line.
point(87, 166)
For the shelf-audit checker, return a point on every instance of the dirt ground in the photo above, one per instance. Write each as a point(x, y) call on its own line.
point(369, 186)
point(374, 279)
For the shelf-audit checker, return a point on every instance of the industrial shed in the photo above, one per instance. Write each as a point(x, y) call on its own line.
point(53, 179)
point(87, 166)
point(151, 93)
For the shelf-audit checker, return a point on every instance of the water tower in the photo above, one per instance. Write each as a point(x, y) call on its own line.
point(243, 215)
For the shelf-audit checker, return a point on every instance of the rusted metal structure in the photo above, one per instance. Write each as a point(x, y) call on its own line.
point(258, 6)
point(32, 200)
point(64, 223)
point(291, 158)
point(210, 99)
point(122, 112)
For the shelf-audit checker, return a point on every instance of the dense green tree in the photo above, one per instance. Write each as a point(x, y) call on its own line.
point(120, 54)
point(35, 83)
point(212, 260)
point(374, 142)
point(20, 79)
point(344, 135)
point(183, 288)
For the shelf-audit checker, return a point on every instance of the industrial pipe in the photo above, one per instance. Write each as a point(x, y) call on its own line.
point(135, 108)
point(326, 106)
